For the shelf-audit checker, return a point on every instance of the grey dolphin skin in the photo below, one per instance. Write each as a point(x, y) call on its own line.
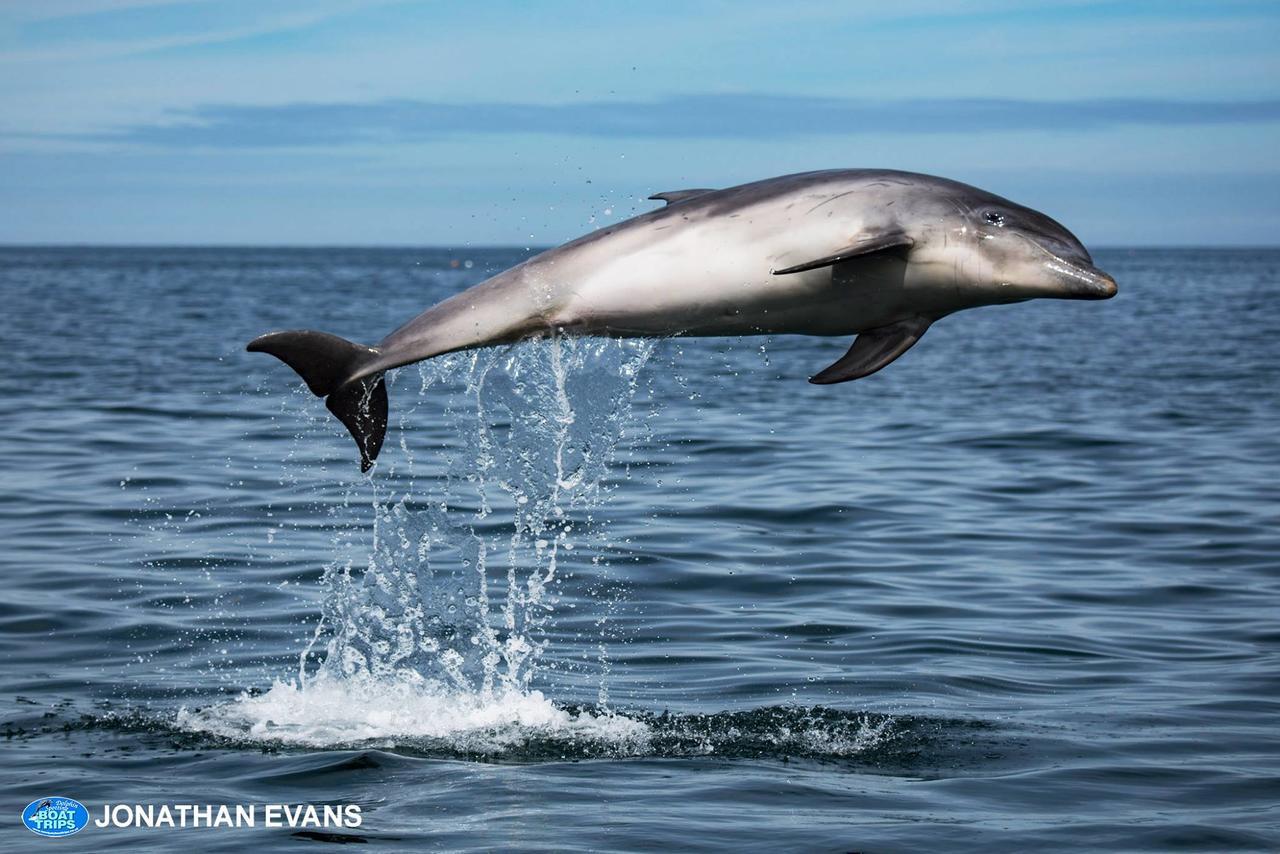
point(878, 254)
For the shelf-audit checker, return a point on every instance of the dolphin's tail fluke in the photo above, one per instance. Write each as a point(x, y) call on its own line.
point(331, 367)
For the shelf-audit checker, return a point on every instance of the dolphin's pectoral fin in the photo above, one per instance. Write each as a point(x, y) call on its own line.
point(874, 349)
point(865, 246)
point(673, 196)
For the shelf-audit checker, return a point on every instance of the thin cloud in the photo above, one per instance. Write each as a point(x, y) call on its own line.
point(690, 117)
point(81, 51)
point(53, 9)
point(192, 33)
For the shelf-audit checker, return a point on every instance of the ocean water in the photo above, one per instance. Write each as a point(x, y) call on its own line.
point(1017, 591)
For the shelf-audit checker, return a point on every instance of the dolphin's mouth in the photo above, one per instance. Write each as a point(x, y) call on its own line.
point(1068, 271)
point(1083, 281)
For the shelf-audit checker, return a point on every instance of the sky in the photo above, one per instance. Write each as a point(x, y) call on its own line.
point(368, 122)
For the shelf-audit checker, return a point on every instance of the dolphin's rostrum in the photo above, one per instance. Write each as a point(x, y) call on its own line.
point(878, 254)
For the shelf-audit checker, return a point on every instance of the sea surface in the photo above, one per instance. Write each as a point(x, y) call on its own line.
point(1019, 591)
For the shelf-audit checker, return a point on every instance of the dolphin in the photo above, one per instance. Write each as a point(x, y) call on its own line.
point(874, 253)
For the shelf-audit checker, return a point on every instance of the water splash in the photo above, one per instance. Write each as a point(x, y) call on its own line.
point(364, 711)
point(460, 581)
point(447, 619)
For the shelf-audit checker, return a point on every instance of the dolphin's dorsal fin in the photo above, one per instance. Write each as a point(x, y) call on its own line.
point(862, 246)
point(874, 349)
point(673, 196)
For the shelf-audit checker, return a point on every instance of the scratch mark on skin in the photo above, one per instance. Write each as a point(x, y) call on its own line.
point(961, 209)
point(832, 199)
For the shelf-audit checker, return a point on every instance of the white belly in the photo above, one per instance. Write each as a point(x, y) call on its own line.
point(713, 299)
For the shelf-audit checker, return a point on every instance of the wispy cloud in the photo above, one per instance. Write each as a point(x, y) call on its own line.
point(690, 117)
point(53, 9)
point(88, 31)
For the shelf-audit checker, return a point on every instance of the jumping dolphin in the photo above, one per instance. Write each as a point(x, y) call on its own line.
point(878, 254)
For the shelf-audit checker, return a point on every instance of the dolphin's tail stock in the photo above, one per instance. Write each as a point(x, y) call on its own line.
point(331, 367)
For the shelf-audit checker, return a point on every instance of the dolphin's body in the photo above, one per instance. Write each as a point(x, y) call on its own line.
point(875, 253)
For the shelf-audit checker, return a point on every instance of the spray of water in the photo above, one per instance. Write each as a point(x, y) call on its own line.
point(444, 628)
point(461, 578)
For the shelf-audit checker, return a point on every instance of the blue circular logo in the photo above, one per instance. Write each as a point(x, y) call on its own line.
point(55, 816)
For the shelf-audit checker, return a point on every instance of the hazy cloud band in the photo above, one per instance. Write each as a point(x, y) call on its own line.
point(694, 116)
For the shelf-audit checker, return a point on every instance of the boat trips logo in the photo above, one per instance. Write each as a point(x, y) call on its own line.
point(55, 816)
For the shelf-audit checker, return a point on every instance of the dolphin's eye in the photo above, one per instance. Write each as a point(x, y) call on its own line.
point(994, 218)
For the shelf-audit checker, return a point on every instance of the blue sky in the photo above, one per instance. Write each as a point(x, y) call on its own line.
point(435, 123)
